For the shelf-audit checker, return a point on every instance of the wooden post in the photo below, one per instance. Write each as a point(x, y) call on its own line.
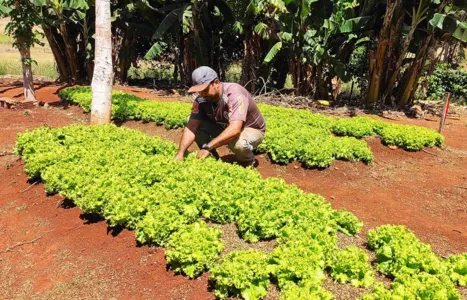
point(444, 113)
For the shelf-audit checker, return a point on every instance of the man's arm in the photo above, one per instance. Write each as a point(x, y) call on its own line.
point(188, 137)
point(232, 132)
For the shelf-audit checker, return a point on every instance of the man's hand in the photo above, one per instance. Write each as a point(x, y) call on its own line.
point(203, 154)
point(188, 137)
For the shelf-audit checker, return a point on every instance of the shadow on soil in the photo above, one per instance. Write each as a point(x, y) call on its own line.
point(67, 204)
point(91, 218)
point(115, 231)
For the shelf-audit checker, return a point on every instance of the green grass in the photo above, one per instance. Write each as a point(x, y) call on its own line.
point(5, 39)
point(10, 64)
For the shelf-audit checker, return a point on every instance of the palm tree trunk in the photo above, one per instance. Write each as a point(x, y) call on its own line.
point(103, 71)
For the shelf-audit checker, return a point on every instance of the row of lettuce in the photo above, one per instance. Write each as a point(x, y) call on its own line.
point(313, 139)
point(132, 180)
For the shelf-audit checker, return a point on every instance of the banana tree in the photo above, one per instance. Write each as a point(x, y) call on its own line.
point(62, 22)
point(319, 37)
point(410, 30)
point(258, 27)
point(197, 27)
point(443, 22)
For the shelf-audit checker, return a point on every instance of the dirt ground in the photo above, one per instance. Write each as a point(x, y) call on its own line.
point(49, 250)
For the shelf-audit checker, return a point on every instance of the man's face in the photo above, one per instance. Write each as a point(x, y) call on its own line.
point(212, 92)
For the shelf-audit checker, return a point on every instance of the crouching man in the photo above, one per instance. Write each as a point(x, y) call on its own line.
point(223, 114)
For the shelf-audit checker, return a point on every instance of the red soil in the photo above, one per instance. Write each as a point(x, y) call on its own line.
point(75, 256)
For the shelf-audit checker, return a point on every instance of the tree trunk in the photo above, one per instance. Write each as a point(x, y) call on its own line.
point(322, 84)
point(58, 54)
point(251, 58)
point(180, 56)
point(201, 54)
point(377, 59)
point(279, 72)
point(28, 82)
point(391, 67)
point(409, 82)
point(88, 62)
point(124, 55)
point(71, 54)
point(103, 71)
point(25, 52)
point(189, 63)
point(408, 85)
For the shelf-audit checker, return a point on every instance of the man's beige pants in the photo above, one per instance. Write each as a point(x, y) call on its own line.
point(242, 147)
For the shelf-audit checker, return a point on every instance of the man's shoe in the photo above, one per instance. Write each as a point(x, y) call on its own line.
point(252, 164)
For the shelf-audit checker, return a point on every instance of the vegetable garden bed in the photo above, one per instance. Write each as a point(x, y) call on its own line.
point(132, 180)
point(313, 139)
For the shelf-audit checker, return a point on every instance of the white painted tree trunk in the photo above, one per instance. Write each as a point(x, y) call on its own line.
point(102, 80)
point(28, 81)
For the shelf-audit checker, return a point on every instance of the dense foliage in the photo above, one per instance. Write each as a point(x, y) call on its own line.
point(445, 79)
point(311, 42)
point(291, 134)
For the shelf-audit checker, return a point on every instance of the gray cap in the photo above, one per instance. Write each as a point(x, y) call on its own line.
point(202, 77)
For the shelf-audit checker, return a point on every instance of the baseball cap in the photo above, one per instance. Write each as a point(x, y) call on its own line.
point(202, 77)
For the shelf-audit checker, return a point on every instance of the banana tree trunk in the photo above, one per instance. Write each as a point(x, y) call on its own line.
point(58, 54)
point(71, 54)
point(409, 82)
point(125, 55)
point(189, 63)
point(201, 54)
point(251, 59)
point(279, 72)
point(322, 84)
point(377, 58)
point(408, 85)
point(101, 108)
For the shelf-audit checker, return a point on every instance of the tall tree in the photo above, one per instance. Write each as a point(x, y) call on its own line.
point(23, 18)
point(102, 80)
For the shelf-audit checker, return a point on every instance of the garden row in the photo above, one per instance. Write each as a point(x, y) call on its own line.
point(313, 139)
point(132, 180)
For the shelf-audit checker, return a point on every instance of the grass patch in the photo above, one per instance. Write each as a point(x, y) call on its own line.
point(11, 64)
point(5, 39)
